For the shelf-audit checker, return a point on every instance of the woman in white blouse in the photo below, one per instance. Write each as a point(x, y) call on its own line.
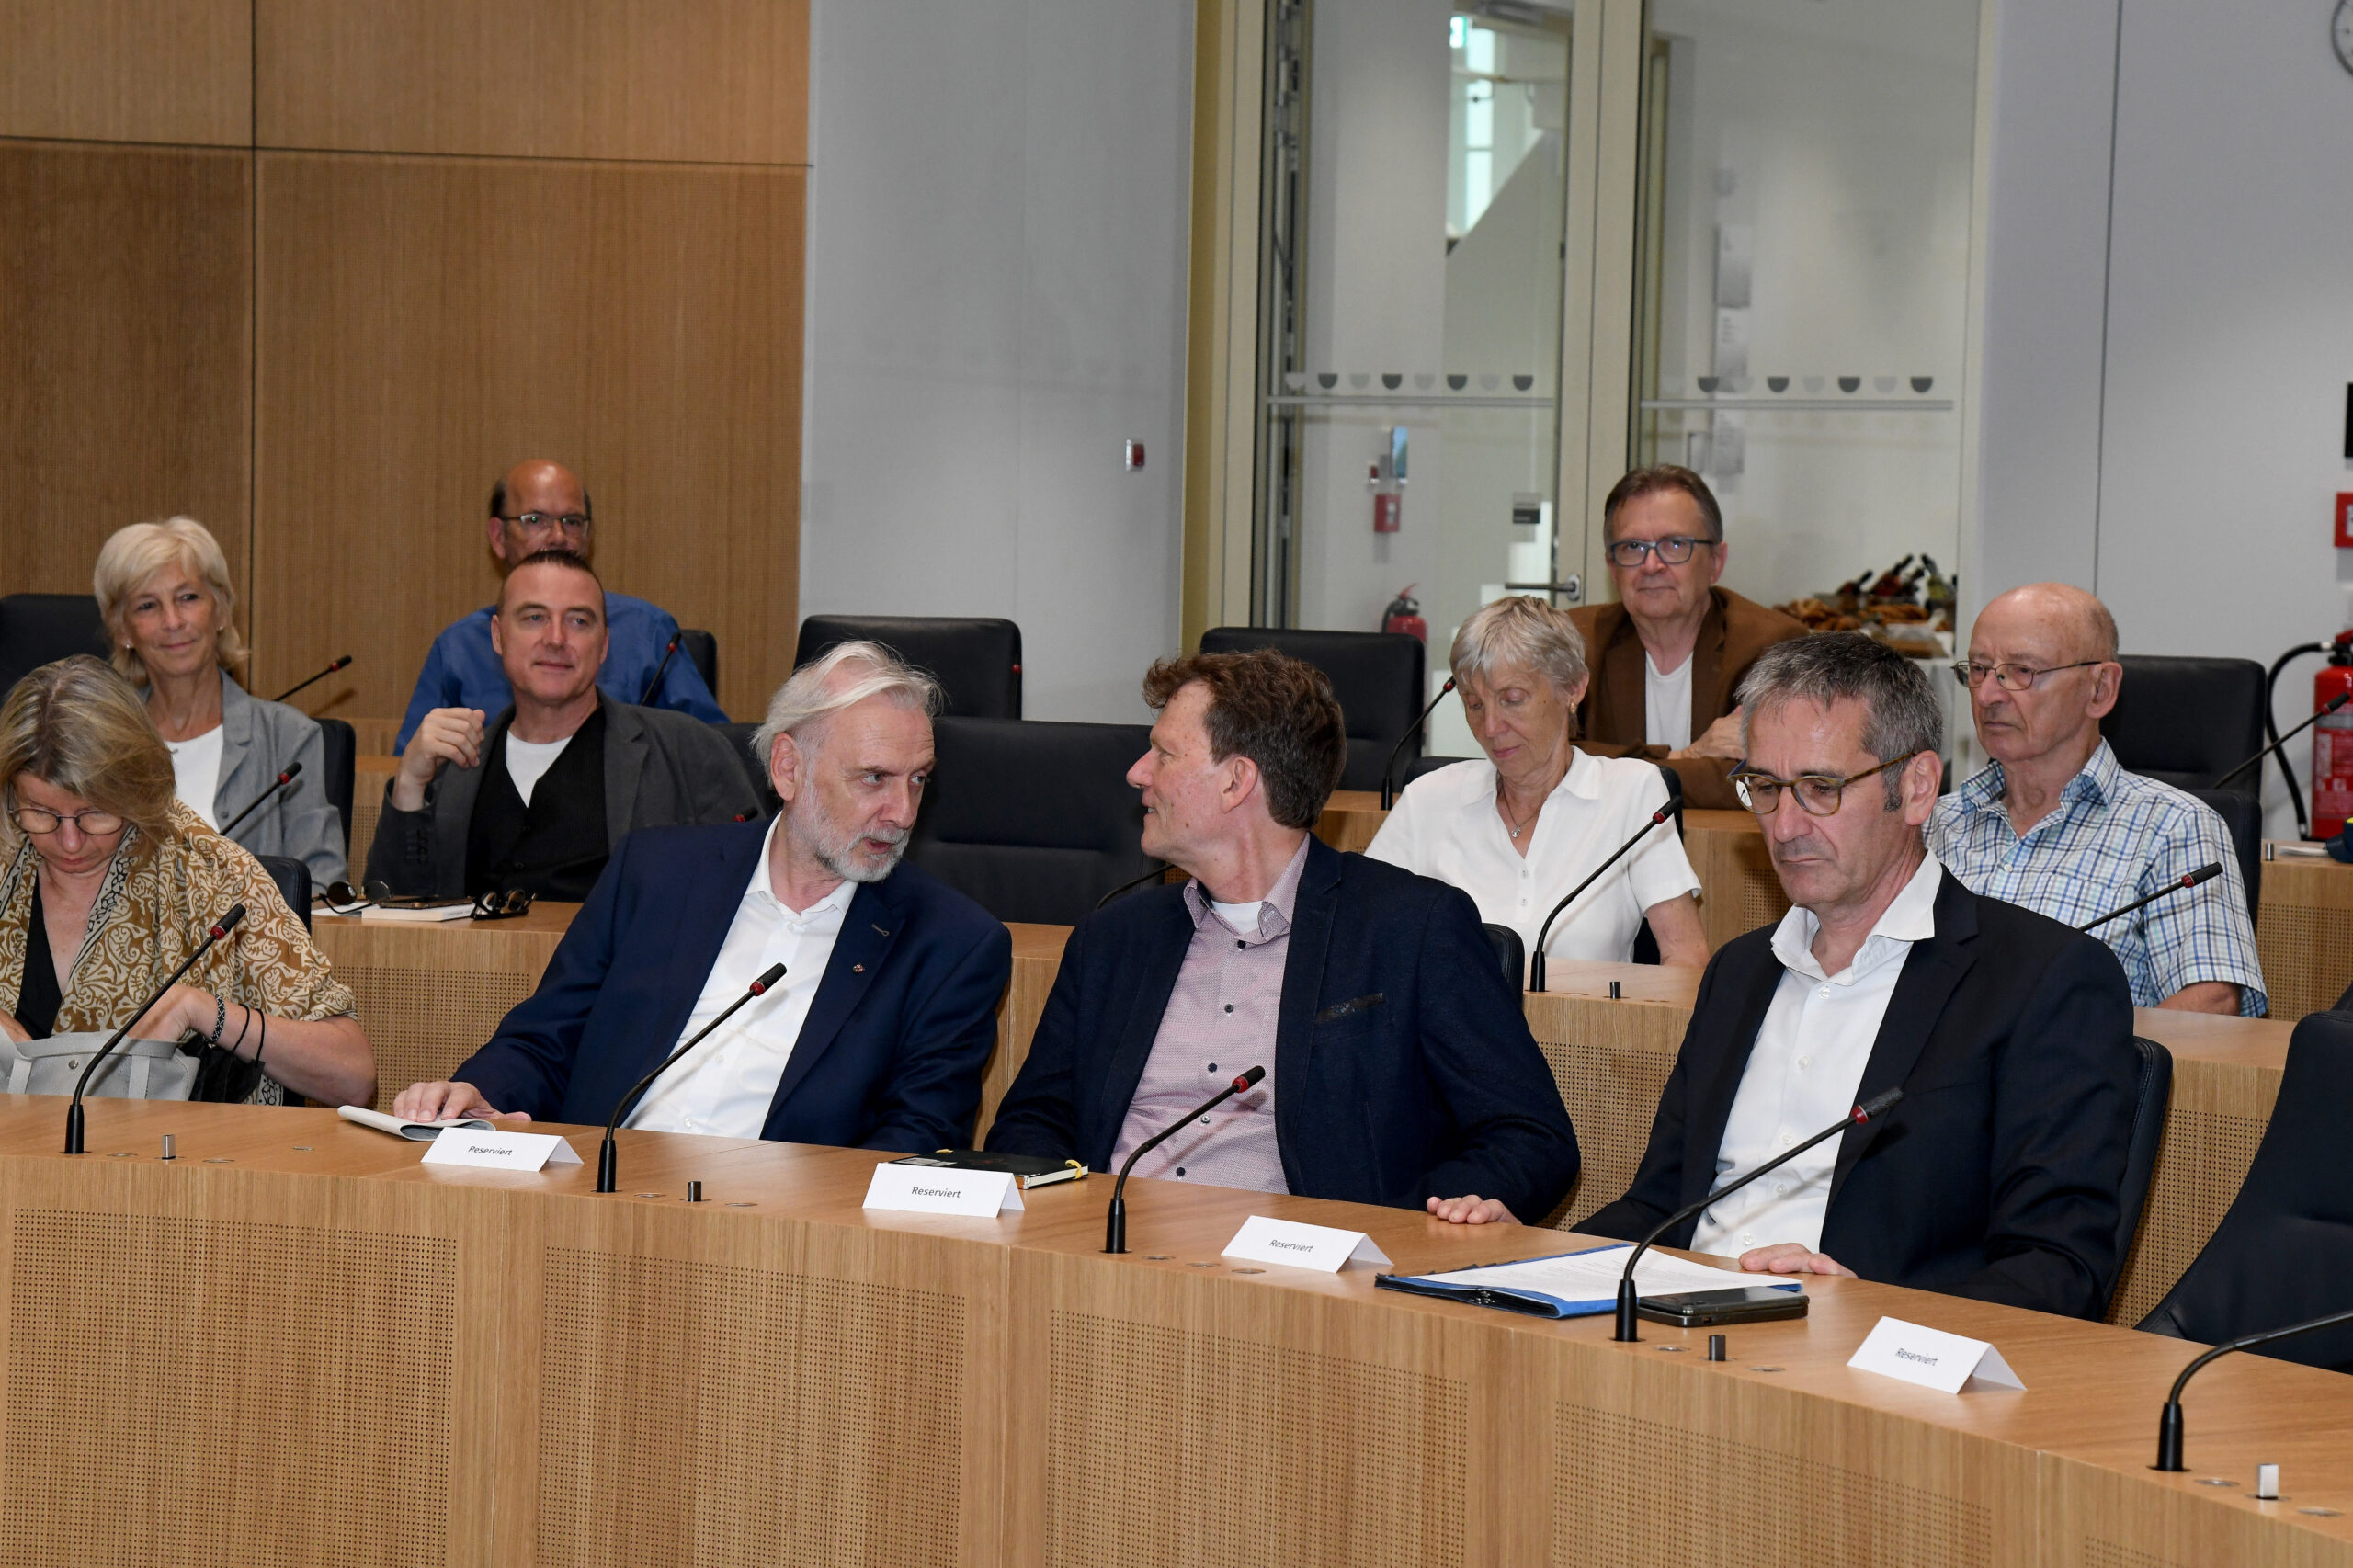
point(1517, 831)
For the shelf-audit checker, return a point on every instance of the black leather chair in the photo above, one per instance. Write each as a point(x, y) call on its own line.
point(1510, 952)
point(2284, 1251)
point(2152, 1090)
point(1033, 821)
point(739, 740)
point(341, 745)
point(702, 648)
point(2185, 720)
point(1420, 765)
point(1377, 676)
point(293, 879)
point(38, 628)
point(977, 660)
point(2243, 814)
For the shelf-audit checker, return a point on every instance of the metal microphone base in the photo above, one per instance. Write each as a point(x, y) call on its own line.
point(1626, 1318)
point(74, 1128)
point(1115, 1226)
point(607, 1166)
point(2169, 1438)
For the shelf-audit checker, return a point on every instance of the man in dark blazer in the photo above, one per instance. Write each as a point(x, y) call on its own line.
point(1400, 1067)
point(516, 803)
point(1997, 1175)
point(878, 1034)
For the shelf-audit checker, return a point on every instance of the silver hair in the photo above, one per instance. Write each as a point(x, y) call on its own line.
point(820, 688)
point(1519, 631)
point(1900, 715)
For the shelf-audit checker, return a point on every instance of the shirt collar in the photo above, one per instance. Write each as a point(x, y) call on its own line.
point(1910, 916)
point(1584, 777)
point(1274, 910)
point(2096, 783)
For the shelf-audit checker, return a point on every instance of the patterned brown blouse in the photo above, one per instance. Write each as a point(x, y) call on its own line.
point(150, 914)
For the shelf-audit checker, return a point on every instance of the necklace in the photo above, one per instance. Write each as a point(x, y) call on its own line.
point(1523, 827)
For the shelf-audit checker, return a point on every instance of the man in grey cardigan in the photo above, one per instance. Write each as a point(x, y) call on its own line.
point(537, 798)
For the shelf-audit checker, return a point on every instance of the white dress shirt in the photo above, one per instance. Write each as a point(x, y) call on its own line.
point(726, 1085)
point(1804, 1070)
point(1666, 704)
point(196, 774)
point(1446, 826)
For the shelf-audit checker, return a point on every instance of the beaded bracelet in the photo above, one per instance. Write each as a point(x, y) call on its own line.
point(220, 1019)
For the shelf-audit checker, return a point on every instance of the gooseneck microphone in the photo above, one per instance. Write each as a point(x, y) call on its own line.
point(1158, 872)
point(322, 674)
point(659, 670)
point(1536, 961)
point(275, 784)
point(2169, 1419)
point(1627, 1299)
point(1388, 787)
point(2205, 873)
point(2331, 706)
point(1115, 1224)
point(220, 929)
point(608, 1158)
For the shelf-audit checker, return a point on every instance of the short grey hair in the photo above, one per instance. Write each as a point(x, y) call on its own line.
point(821, 688)
point(1522, 631)
point(1901, 714)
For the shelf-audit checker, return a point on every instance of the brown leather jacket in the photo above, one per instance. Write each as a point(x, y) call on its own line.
point(1610, 718)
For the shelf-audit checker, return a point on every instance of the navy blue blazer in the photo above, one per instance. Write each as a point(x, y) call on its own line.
point(1997, 1175)
point(1435, 1089)
point(896, 1038)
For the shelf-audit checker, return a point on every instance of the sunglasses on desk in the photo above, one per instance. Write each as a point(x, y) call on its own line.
point(503, 905)
point(342, 898)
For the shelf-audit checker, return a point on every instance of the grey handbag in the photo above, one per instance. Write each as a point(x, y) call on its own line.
point(139, 1069)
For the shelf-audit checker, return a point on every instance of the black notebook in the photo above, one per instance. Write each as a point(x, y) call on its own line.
point(1034, 1170)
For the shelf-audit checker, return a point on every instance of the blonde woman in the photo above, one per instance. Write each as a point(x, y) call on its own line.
point(110, 883)
point(164, 593)
point(1519, 829)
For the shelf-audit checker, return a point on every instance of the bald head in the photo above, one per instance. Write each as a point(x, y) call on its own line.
point(2046, 729)
point(540, 505)
point(2075, 624)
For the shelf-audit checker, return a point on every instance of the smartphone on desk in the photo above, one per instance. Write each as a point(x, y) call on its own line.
point(1705, 1308)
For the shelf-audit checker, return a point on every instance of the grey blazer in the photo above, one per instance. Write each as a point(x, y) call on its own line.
point(259, 740)
point(662, 769)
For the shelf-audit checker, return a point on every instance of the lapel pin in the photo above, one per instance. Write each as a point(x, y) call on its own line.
point(878, 930)
point(857, 969)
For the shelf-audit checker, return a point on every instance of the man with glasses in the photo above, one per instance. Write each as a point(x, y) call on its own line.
point(1667, 657)
point(2053, 823)
point(542, 505)
point(2011, 1036)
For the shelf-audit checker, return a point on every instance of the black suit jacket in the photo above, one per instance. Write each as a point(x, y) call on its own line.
point(1435, 1089)
point(1996, 1175)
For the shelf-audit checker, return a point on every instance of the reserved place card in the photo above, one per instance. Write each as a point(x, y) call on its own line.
point(493, 1149)
point(1288, 1242)
point(1932, 1359)
point(929, 1189)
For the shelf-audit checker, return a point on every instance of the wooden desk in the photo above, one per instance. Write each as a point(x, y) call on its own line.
point(2303, 933)
point(403, 1364)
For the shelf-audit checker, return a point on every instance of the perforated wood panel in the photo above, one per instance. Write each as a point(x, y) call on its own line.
point(2201, 1166)
point(369, 775)
point(1157, 1432)
point(1611, 1092)
point(2108, 1554)
point(1632, 1492)
point(279, 1390)
point(700, 1414)
point(1762, 902)
point(2307, 962)
point(423, 1022)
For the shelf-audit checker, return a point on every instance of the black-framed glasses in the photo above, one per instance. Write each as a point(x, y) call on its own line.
point(2011, 677)
point(1672, 551)
point(1818, 794)
point(342, 898)
point(532, 522)
point(502, 905)
point(42, 823)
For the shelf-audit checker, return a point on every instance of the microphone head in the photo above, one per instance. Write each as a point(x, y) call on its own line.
point(291, 769)
point(339, 663)
point(1450, 686)
point(228, 921)
point(2339, 701)
point(2205, 873)
point(1249, 1079)
point(768, 977)
point(1876, 1105)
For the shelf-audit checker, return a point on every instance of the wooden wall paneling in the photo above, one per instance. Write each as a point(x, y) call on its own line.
point(425, 322)
point(2305, 909)
point(125, 281)
point(718, 80)
point(178, 70)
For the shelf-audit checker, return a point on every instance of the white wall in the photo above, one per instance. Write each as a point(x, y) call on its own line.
point(2169, 328)
point(996, 301)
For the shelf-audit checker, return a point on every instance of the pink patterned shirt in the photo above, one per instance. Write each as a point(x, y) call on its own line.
point(1220, 1023)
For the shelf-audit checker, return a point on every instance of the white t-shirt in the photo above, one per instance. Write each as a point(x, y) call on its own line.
point(726, 1085)
point(528, 762)
point(1446, 826)
point(196, 773)
point(1666, 704)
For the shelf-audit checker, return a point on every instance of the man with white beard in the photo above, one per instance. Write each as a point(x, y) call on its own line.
point(877, 1033)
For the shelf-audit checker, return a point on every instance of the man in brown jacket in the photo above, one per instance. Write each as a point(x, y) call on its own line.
point(1667, 657)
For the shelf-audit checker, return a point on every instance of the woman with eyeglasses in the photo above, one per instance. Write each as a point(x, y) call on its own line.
point(163, 592)
point(110, 883)
point(1521, 829)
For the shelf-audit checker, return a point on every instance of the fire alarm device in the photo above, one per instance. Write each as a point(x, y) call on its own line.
point(1135, 456)
point(2344, 520)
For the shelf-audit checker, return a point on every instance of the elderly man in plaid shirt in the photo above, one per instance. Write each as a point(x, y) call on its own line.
point(2054, 823)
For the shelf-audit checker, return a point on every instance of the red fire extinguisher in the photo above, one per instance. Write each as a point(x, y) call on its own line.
point(1404, 614)
point(2333, 742)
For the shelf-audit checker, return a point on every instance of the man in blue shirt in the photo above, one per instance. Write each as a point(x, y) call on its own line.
point(542, 505)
